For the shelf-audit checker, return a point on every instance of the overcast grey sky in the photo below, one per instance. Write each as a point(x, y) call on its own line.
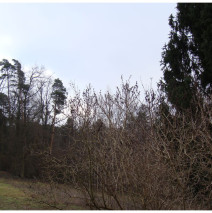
point(88, 42)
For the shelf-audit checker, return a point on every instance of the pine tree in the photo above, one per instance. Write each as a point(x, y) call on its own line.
point(59, 96)
point(186, 59)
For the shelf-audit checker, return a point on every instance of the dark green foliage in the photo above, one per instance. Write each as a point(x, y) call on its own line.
point(20, 74)
point(197, 19)
point(187, 56)
point(5, 64)
point(59, 93)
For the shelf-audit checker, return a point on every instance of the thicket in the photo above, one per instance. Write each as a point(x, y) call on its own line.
point(121, 151)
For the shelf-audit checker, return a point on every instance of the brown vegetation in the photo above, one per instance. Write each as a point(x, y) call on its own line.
point(125, 154)
point(116, 151)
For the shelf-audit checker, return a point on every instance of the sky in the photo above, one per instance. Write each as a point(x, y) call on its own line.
point(84, 43)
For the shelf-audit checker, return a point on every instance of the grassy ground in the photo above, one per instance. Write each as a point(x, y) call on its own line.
point(18, 194)
point(12, 198)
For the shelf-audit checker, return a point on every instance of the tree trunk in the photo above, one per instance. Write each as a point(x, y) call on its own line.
point(52, 131)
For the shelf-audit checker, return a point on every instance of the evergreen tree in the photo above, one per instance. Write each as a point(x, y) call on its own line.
point(187, 68)
point(7, 78)
point(186, 59)
point(59, 96)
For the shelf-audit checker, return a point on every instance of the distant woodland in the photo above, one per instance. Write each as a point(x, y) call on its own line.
point(121, 151)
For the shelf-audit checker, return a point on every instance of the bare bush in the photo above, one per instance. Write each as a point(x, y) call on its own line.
point(127, 154)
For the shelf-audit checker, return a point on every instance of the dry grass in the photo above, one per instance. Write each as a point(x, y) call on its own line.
point(19, 194)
